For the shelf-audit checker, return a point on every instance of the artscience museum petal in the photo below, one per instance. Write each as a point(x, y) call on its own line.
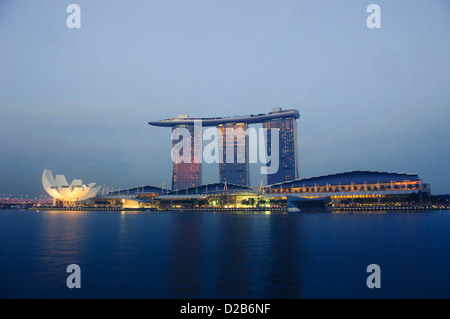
point(60, 190)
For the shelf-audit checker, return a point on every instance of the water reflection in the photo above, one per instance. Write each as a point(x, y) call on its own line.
point(235, 251)
point(284, 273)
point(223, 255)
point(186, 259)
point(139, 255)
point(61, 242)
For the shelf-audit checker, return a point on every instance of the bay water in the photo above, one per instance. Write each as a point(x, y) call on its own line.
point(179, 255)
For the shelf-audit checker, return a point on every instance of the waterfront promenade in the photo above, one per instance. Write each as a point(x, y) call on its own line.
point(393, 208)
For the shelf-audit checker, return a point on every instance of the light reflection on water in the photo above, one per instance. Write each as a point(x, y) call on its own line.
point(62, 242)
point(223, 255)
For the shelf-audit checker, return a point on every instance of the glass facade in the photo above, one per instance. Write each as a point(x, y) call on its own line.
point(288, 162)
point(187, 174)
point(233, 153)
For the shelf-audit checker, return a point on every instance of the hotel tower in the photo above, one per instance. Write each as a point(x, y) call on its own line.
point(288, 148)
point(187, 174)
point(233, 166)
point(233, 147)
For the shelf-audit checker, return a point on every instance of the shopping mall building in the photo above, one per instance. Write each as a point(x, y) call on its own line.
point(357, 187)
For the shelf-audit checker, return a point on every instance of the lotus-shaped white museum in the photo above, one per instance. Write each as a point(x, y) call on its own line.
point(59, 189)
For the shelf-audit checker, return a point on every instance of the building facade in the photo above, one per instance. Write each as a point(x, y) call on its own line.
point(233, 153)
point(357, 187)
point(186, 173)
point(287, 148)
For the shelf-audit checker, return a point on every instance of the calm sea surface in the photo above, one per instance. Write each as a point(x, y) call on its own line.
point(224, 255)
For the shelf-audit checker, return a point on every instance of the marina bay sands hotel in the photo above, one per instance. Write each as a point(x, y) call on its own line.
point(187, 175)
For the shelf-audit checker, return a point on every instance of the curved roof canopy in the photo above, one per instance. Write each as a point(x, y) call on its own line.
point(347, 178)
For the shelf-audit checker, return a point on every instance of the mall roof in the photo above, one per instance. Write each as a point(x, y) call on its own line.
point(138, 190)
point(347, 178)
point(363, 193)
point(210, 189)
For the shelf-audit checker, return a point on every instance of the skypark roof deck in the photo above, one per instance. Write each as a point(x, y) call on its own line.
point(249, 119)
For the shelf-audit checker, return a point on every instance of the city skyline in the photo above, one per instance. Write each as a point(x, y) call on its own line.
point(78, 100)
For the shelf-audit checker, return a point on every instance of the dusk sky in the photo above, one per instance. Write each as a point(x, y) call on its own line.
point(77, 101)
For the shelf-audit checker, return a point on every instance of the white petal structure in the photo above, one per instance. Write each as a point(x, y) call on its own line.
point(59, 188)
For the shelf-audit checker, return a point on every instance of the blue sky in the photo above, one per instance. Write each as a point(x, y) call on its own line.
point(78, 101)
